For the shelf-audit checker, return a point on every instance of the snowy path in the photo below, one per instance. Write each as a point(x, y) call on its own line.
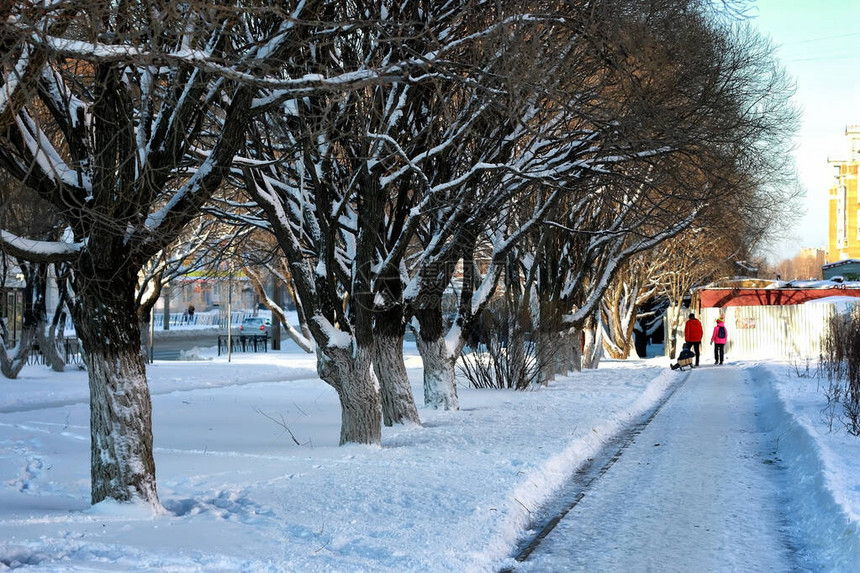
point(698, 490)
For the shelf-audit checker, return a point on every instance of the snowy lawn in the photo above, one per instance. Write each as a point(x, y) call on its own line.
point(252, 479)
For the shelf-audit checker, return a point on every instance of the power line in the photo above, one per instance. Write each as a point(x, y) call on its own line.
point(823, 58)
point(809, 41)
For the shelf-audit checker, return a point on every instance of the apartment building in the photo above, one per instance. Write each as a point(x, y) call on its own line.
point(843, 236)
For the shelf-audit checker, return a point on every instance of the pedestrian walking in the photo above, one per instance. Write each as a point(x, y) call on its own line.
point(718, 339)
point(693, 335)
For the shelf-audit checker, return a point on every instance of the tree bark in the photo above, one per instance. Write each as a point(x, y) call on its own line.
point(47, 342)
point(545, 355)
point(516, 352)
point(398, 403)
point(674, 319)
point(11, 364)
point(56, 331)
point(593, 346)
point(357, 388)
point(576, 346)
point(440, 387)
point(121, 448)
point(565, 351)
point(546, 341)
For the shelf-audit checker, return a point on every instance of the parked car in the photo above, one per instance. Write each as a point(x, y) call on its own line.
point(255, 326)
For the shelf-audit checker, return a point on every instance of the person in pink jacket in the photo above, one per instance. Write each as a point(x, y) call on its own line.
point(718, 339)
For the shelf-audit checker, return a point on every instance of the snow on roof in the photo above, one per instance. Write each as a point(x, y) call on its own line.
point(739, 282)
point(841, 263)
point(826, 283)
point(843, 303)
point(748, 283)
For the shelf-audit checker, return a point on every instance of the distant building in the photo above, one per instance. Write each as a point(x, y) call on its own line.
point(814, 256)
point(12, 304)
point(848, 269)
point(206, 290)
point(808, 263)
point(843, 234)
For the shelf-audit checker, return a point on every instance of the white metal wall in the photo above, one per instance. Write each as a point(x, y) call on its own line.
point(787, 332)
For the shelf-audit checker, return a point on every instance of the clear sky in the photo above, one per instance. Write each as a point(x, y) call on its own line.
point(818, 42)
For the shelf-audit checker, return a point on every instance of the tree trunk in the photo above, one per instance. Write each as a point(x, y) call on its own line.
point(517, 319)
point(640, 341)
point(56, 331)
point(674, 319)
point(516, 353)
point(122, 464)
point(576, 346)
point(52, 348)
point(388, 326)
point(593, 346)
point(11, 364)
point(46, 337)
point(398, 403)
point(615, 344)
point(545, 342)
point(145, 340)
point(619, 318)
point(358, 390)
point(440, 388)
point(545, 346)
point(561, 356)
point(165, 313)
point(47, 344)
point(566, 352)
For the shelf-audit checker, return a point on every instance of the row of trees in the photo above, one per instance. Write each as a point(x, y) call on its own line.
point(550, 150)
point(805, 265)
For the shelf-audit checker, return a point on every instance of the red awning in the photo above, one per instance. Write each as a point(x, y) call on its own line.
point(720, 297)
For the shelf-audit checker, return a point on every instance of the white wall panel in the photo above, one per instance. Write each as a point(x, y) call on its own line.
point(782, 332)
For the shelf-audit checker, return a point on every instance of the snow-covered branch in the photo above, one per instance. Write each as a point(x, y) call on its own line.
point(39, 251)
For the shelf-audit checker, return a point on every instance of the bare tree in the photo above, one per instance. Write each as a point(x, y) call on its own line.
point(150, 106)
point(632, 287)
point(338, 194)
point(14, 359)
point(25, 213)
point(718, 100)
point(260, 256)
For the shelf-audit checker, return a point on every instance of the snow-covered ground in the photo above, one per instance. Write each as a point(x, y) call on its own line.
point(252, 479)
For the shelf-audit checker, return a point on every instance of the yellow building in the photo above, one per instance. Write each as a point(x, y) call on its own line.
point(843, 235)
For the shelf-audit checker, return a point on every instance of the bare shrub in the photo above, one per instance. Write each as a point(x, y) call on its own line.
point(808, 368)
point(499, 355)
point(841, 363)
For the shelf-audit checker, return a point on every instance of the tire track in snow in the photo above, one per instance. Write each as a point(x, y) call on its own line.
point(589, 473)
point(699, 489)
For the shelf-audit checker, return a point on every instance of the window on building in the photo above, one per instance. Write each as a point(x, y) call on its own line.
point(858, 224)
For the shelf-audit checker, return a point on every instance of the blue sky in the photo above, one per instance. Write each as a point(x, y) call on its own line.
point(818, 42)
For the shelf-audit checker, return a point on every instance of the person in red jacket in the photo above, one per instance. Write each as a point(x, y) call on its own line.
point(693, 334)
point(718, 339)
